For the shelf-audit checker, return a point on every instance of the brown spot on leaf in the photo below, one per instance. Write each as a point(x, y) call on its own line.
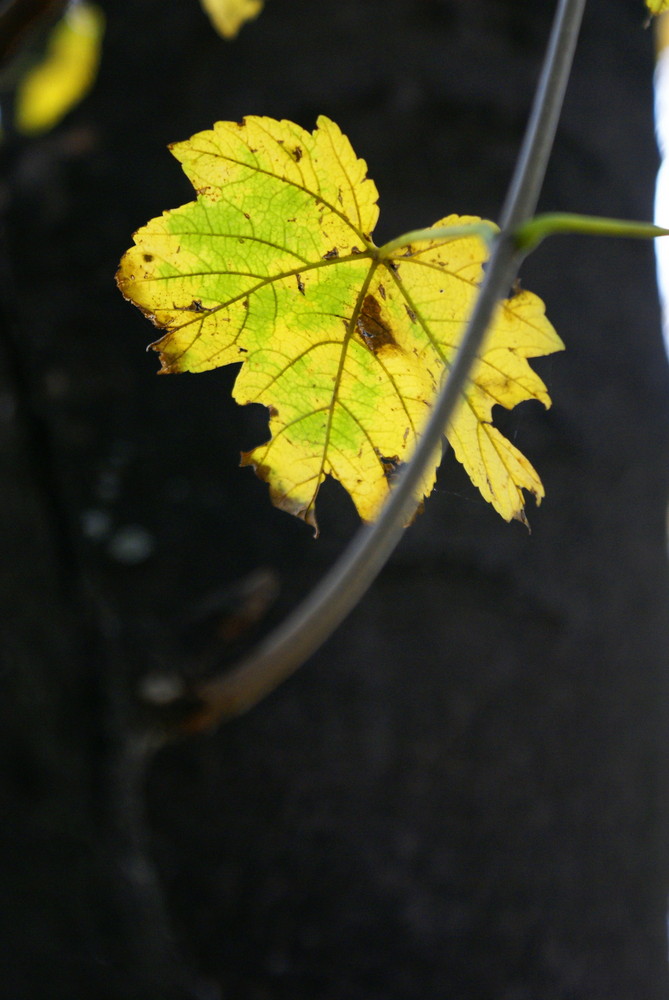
point(195, 306)
point(297, 153)
point(410, 313)
point(246, 215)
point(382, 292)
point(273, 412)
point(391, 465)
point(300, 284)
point(148, 257)
point(331, 254)
point(374, 331)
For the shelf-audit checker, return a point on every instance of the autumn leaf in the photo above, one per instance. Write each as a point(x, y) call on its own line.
point(657, 6)
point(67, 72)
point(346, 343)
point(228, 16)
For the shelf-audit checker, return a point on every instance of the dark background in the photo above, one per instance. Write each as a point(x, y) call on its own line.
point(463, 795)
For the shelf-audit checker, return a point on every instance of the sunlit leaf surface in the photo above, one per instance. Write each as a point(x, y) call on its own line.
point(274, 266)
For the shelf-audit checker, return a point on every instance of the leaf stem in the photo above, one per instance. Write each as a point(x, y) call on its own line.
point(530, 233)
point(486, 230)
point(313, 621)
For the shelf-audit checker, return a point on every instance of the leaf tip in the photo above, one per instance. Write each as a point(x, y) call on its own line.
point(280, 498)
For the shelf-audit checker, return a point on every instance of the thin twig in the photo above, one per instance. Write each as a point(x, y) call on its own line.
point(305, 630)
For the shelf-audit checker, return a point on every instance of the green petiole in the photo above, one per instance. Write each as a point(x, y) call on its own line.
point(532, 232)
point(486, 230)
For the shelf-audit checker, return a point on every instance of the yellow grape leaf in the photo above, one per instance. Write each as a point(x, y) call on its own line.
point(273, 265)
point(657, 6)
point(227, 16)
point(67, 72)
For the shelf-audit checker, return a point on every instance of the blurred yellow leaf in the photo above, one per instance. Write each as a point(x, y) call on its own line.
point(228, 16)
point(67, 72)
point(657, 6)
point(345, 342)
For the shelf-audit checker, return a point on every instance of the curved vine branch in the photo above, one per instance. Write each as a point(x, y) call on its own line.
point(304, 631)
